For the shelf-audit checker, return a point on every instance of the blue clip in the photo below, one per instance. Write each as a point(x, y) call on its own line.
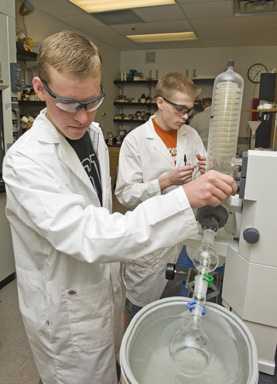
point(191, 306)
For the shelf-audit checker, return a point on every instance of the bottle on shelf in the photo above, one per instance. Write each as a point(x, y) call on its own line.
point(24, 95)
point(110, 138)
point(26, 92)
point(142, 98)
point(32, 95)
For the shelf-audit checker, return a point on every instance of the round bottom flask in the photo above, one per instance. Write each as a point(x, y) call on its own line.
point(190, 348)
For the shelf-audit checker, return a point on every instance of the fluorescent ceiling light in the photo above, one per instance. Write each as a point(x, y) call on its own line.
point(111, 5)
point(159, 37)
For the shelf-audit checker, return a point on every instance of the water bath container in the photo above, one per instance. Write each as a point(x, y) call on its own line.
point(144, 355)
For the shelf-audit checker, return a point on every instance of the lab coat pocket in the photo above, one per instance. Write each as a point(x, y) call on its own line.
point(147, 263)
point(90, 317)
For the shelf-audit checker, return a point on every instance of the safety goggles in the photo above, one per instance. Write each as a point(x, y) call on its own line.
point(72, 105)
point(179, 108)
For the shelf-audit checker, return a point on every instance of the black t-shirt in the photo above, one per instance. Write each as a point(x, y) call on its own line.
point(84, 149)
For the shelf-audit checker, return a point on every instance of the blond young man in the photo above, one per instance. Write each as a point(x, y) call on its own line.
point(155, 158)
point(67, 244)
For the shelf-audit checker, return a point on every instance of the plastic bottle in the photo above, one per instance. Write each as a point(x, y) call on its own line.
point(224, 122)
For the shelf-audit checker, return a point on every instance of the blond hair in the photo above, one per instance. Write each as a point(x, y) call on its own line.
point(173, 82)
point(69, 53)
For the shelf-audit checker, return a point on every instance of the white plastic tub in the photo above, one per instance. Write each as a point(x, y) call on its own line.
point(144, 353)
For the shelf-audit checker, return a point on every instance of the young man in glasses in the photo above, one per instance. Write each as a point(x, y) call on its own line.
point(155, 158)
point(67, 244)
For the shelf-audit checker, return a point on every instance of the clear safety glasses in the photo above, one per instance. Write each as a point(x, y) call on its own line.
point(180, 108)
point(72, 105)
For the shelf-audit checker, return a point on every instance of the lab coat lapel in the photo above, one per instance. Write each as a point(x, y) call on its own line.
point(181, 145)
point(69, 157)
point(157, 142)
point(101, 151)
point(47, 133)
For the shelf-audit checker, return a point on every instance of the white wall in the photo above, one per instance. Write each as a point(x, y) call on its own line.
point(207, 62)
point(39, 26)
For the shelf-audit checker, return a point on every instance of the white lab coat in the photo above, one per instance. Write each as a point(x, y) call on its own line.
point(201, 123)
point(67, 250)
point(143, 159)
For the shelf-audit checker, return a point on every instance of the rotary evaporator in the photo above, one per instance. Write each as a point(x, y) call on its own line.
point(189, 341)
point(191, 344)
point(245, 223)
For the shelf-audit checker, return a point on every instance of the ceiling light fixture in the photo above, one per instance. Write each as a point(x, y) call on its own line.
point(92, 6)
point(162, 37)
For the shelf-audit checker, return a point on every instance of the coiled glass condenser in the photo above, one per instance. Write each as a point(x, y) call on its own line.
point(224, 121)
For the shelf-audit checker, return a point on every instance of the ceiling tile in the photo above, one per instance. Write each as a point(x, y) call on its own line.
point(104, 32)
point(237, 22)
point(57, 8)
point(165, 13)
point(124, 16)
point(80, 21)
point(208, 10)
point(178, 26)
point(109, 37)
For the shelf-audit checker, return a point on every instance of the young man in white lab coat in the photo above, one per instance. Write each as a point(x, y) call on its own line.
point(155, 158)
point(67, 244)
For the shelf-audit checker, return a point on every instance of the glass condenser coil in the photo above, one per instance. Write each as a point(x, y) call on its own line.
point(224, 122)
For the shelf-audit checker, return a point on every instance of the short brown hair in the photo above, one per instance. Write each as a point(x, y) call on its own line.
point(175, 81)
point(207, 101)
point(69, 53)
